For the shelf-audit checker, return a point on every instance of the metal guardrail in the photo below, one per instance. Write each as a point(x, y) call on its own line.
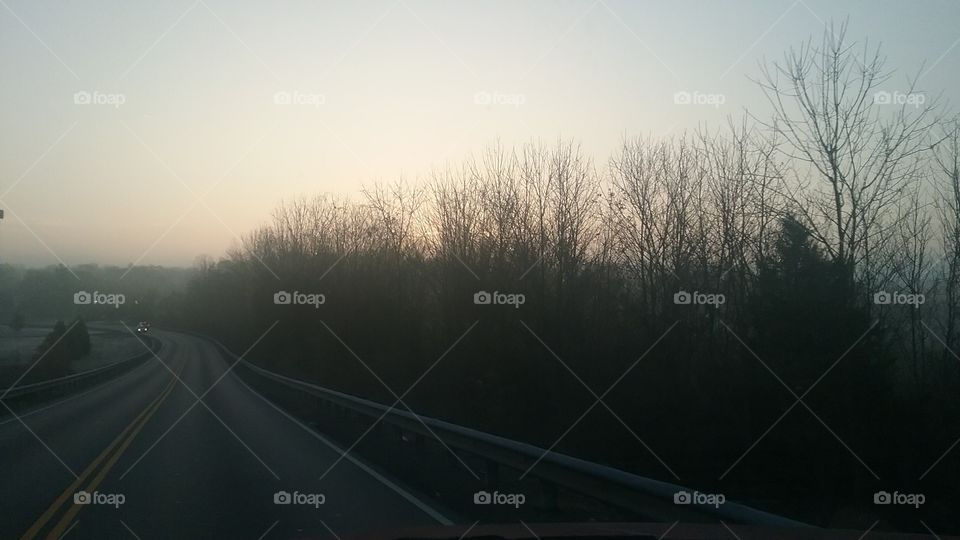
point(74, 381)
point(607, 484)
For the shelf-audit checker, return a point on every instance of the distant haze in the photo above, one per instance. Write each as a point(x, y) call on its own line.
point(117, 116)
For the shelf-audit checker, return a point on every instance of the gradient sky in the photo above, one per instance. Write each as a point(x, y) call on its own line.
point(199, 152)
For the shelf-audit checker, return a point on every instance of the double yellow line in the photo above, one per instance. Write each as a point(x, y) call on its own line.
point(111, 454)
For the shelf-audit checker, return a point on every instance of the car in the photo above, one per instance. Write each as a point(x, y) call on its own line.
point(143, 327)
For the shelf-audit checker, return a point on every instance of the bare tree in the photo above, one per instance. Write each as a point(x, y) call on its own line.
point(852, 157)
point(455, 217)
point(913, 271)
point(397, 207)
point(947, 157)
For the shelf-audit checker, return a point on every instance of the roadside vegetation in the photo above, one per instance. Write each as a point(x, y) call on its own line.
point(55, 356)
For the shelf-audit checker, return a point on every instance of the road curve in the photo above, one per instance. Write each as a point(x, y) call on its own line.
point(164, 464)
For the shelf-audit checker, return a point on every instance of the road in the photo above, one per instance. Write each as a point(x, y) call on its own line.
point(180, 447)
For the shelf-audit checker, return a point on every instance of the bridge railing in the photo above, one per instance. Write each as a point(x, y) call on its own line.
point(42, 390)
point(643, 496)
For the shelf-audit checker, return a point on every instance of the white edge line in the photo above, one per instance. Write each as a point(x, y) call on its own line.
point(427, 509)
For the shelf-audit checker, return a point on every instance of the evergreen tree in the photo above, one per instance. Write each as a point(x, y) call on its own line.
point(78, 339)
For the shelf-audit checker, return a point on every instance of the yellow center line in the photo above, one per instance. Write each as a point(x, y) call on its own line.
point(125, 437)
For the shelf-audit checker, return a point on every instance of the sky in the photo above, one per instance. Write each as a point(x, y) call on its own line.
point(152, 133)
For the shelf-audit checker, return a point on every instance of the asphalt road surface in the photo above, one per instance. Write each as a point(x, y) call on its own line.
point(182, 448)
